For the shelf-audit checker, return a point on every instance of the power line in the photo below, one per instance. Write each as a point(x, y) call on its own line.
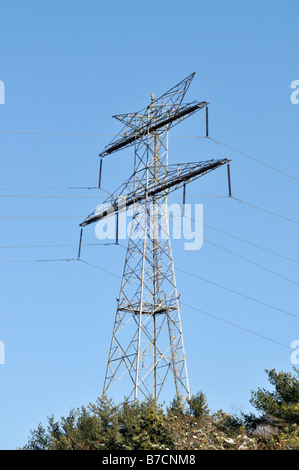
point(237, 326)
point(243, 240)
point(118, 276)
point(206, 240)
point(99, 268)
point(179, 269)
point(116, 244)
point(96, 197)
point(252, 158)
point(248, 260)
point(265, 210)
point(57, 133)
point(79, 134)
point(252, 262)
point(237, 293)
point(57, 246)
point(186, 305)
point(251, 243)
point(87, 197)
point(53, 188)
point(41, 217)
point(202, 311)
point(204, 224)
point(176, 136)
point(38, 260)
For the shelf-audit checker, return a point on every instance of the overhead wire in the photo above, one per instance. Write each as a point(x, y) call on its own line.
point(99, 268)
point(236, 292)
point(246, 259)
point(267, 165)
point(252, 158)
point(206, 240)
point(123, 246)
point(51, 188)
point(205, 224)
point(236, 326)
point(204, 312)
point(177, 268)
point(57, 133)
point(229, 251)
point(251, 262)
point(265, 210)
point(189, 306)
point(87, 197)
point(41, 217)
point(57, 245)
point(250, 243)
point(37, 260)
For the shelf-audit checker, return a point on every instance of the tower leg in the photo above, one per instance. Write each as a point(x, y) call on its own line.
point(147, 350)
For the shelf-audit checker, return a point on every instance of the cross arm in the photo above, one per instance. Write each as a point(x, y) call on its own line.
point(175, 177)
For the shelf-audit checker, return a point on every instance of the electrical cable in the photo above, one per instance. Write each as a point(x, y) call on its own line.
point(177, 268)
point(202, 311)
point(250, 243)
point(57, 246)
point(177, 136)
point(252, 158)
point(265, 210)
point(252, 262)
point(237, 293)
point(38, 260)
point(237, 326)
point(205, 225)
point(99, 268)
point(186, 305)
point(247, 260)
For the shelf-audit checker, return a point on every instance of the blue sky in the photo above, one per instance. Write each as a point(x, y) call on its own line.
point(68, 66)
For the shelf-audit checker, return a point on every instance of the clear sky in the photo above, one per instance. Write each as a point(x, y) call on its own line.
point(68, 66)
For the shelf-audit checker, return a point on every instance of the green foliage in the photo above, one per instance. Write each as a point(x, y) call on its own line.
point(278, 409)
point(141, 425)
point(177, 407)
point(199, 406)
point(146, 425)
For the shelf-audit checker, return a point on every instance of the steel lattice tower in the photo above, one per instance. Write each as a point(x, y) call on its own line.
point(147, 343)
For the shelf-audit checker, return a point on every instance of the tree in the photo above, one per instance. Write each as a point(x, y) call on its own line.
point(278, 419)
point(92, 428)
point(146, 426)
point(142, 425)
point(279, 408)
point(177, 407)
point(199, 406)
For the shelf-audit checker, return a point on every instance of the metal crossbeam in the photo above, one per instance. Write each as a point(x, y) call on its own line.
point(177, 176)
point(147, 352)
point(167, 120)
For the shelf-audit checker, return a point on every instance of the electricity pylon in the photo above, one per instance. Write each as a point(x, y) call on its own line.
point(147, 344)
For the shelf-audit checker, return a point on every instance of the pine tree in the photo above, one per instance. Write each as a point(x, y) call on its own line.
point(279, 408)
point(199, 406)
